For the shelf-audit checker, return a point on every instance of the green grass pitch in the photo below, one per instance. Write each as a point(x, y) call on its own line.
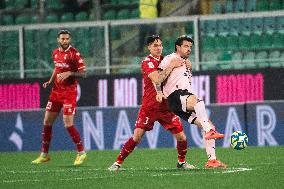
point(254, 167)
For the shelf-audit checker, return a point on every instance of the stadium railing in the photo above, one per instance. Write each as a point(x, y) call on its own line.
point(231, 41)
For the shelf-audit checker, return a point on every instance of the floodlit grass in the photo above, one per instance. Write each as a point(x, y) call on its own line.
point(250, 168)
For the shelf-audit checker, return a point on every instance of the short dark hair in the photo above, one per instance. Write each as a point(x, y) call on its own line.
point(182, 38)
point(63, 32)
point(152, 38)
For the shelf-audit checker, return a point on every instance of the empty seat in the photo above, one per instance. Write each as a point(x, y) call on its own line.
point(208, 43)
point(244, 41)
point(7, 19)
point(261, 59)
point(217, 7)
point(134, 13)
point(232, 42)
point(82, 16)
point(262, 5)
point(229, 6)
point(251, 6)
point(9, 4)
point(123, 14)
point(234, 26)
point(211, 27)
point(255, 41)
point(109, 15)
point(223, 27)
point(257, 25)
point(278, 40)
point(274, 59)
point(269, 24)
point(51, 18)
point(23, 19)
point(239, 6)
point(245, 26)
point(237, 60)
point(266, 41)
point(67, 17)
point(54, 4)
point(248, 59)
point(275, 5)
point(19, 4)
point(220, 42)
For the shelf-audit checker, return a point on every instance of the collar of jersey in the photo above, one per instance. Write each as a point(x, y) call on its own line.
point(65, 50)
point(158, 59)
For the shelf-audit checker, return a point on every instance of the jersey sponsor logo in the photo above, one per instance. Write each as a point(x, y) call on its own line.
point(61, 65)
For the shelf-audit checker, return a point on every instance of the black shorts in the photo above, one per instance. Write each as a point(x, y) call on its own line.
point(177, 104)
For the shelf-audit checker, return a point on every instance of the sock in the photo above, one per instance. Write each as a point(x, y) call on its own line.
point(201, 114)
point(127, 148)
point(209, 146)
point(182, 150)
point(75, 135)
point(45, 138)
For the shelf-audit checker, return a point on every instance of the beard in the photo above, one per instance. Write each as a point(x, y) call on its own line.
point(64, 46)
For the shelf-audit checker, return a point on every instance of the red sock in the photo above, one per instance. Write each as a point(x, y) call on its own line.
point(75, 135)
point(127, 148)
point(45, 138)
point(182, 150)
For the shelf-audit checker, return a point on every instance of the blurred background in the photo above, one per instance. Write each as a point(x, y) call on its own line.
point(238, 61)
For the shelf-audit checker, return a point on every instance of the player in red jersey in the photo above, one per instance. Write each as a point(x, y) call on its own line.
point(68, 67)
point(151, 110)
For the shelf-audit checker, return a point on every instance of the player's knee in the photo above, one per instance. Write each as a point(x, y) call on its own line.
point(137, 139)
point(191, 101)
point(181, 136)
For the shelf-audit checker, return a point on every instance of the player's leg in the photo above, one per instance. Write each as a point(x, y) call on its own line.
point(144, 123)
point(173, 124)
point(198, 106)
point(127, 148)
point(51, 113)
point(210, 149)
point(76, 138)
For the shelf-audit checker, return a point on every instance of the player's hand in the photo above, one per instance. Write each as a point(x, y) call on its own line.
point(62, 76)
point(188, 64)
point(176, 62)
point(160, 96)
point(46, 84)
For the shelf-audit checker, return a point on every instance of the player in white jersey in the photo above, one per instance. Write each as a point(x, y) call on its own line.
point(181, 100)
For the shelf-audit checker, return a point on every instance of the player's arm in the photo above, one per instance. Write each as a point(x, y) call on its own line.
point(160, 95)
point(46, 84)
point(64, 75)
point(159, 76)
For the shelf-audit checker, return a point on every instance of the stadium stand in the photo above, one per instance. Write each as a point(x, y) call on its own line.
point(231, 43)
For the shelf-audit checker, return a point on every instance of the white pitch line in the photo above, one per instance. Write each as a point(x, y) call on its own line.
point(189, 172)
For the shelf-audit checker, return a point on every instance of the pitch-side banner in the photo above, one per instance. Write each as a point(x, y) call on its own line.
point(109, 128)
point(126, 90)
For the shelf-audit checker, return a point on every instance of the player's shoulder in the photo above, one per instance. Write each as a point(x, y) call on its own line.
point(146, 59)
point(55, 51)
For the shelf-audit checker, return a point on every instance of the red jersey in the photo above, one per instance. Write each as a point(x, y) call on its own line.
point(68, 60)
point(149, 65)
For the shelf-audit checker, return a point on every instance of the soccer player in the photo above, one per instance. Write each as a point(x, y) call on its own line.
point(69, 66)
point(185, 104)
point(151, 110)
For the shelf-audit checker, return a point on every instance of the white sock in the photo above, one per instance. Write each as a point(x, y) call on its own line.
point(209, 147)
point(201, 114)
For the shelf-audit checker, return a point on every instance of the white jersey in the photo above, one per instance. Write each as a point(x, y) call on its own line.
point(179, 78)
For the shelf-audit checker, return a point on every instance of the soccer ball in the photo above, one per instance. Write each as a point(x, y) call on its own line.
point(239, 140)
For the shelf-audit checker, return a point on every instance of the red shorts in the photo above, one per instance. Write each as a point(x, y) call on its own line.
point(58, 100)
point(167, 119)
